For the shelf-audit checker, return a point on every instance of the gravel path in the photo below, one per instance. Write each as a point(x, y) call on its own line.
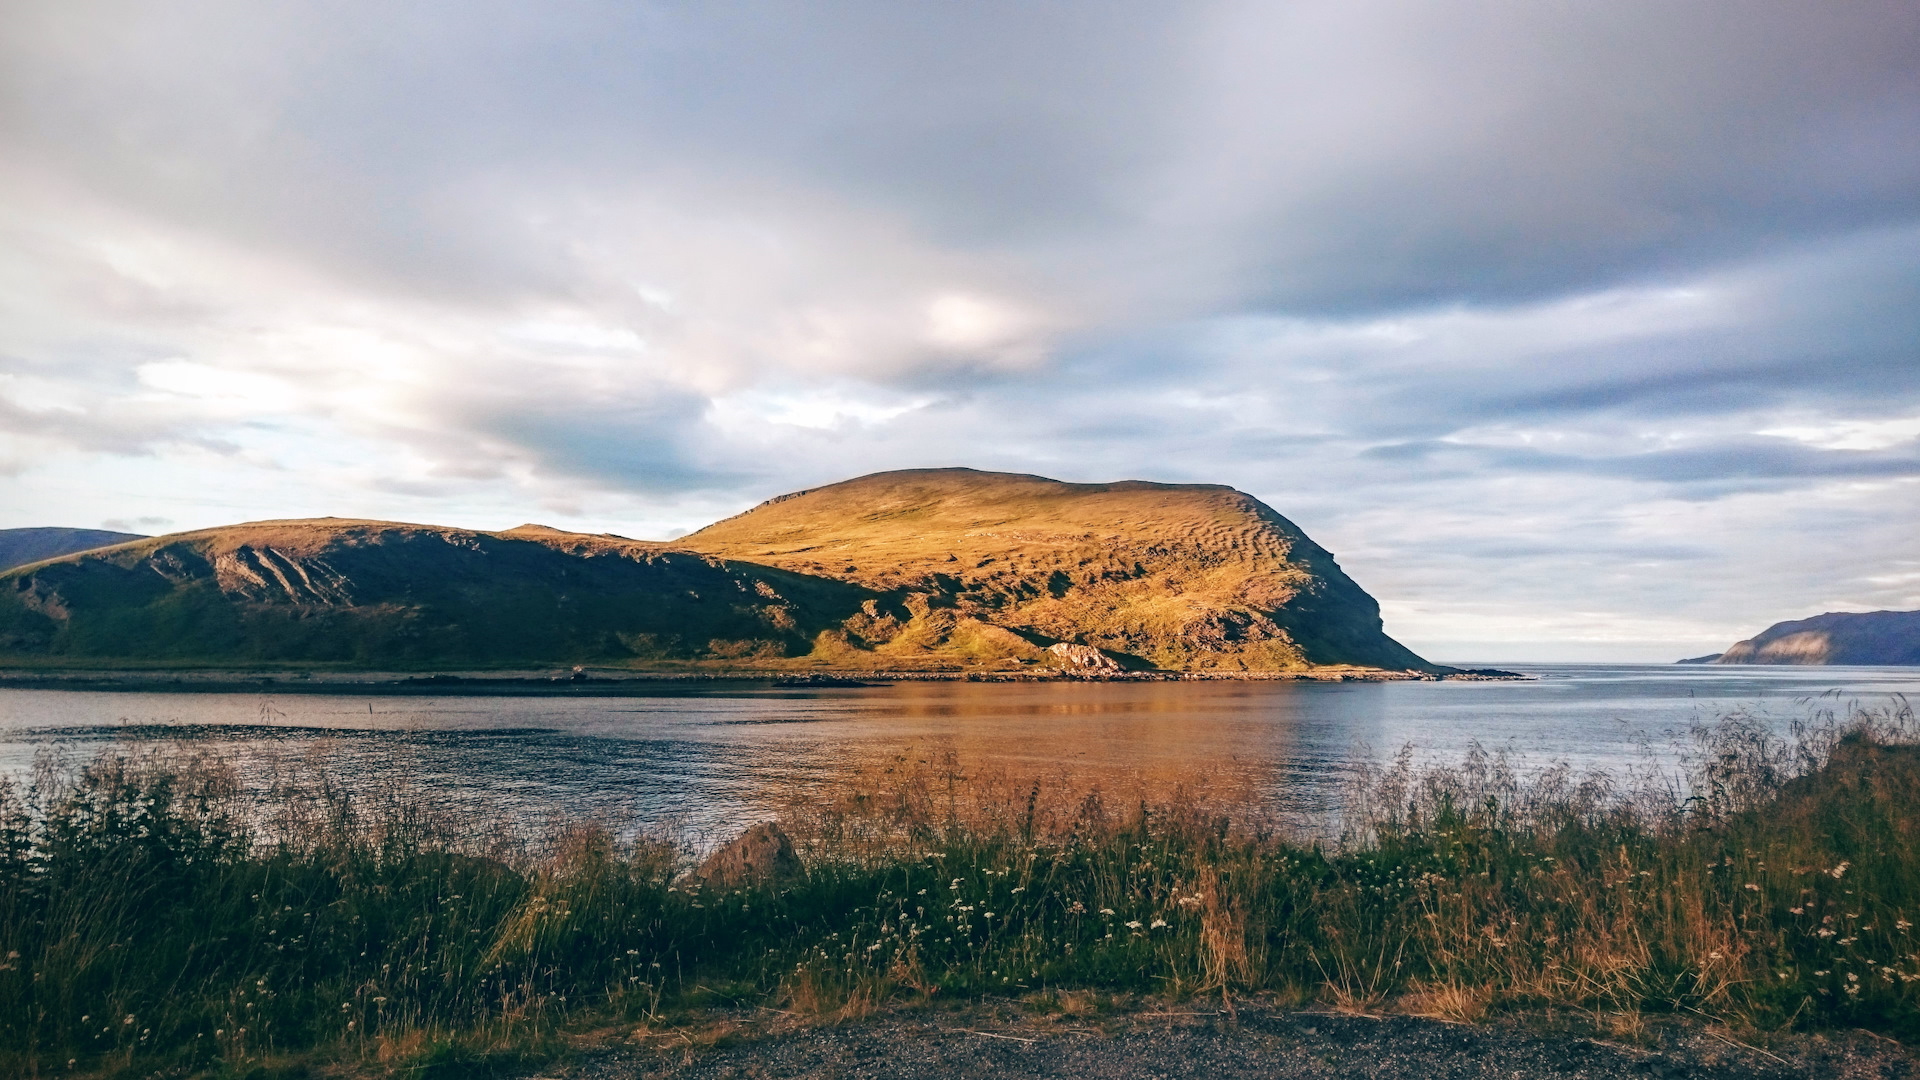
point(1252, 1042)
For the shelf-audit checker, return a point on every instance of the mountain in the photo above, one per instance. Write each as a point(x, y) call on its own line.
point(1837, 637)
point(380, 594)
point(1170, 575)
point(21, 546)
point(927, 570)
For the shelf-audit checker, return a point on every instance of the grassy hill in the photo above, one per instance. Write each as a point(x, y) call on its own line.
point(379, 594)
point(1837, 637)
point(1177, 576)
point(945, 569)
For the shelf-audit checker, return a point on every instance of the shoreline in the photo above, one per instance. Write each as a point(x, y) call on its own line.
point(619, 683)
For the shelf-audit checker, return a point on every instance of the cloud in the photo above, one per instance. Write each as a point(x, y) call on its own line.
point(1527, 312)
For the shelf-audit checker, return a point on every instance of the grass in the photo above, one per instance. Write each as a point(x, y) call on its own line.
point(157, 917)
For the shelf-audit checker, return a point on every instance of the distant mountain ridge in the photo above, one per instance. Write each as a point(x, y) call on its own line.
point(1836, 637)
point(919, 570)
point(19, 547)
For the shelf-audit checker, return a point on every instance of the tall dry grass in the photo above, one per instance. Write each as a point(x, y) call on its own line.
point(154, 915)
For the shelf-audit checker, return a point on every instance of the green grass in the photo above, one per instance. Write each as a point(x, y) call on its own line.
point(156, 917)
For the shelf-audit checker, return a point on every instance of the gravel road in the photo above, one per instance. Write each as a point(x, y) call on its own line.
point(1252, 1042)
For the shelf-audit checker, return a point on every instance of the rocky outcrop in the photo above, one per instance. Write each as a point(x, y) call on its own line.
point(763, 855)
point(1083, 658)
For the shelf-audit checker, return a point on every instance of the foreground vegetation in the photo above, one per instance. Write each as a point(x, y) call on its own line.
point(155, 916)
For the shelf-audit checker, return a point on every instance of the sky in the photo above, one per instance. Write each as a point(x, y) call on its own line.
point(1575, 331)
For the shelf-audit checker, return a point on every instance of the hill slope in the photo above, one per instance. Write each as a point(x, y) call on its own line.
point(378, 594)
point(19, 547)
point(1178, 576)
point(1837, 637)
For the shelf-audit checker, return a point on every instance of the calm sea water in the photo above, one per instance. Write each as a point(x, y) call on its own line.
point(709, 762)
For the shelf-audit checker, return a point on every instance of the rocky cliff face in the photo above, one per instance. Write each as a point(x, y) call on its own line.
point(942, 569)
point(1837, 637)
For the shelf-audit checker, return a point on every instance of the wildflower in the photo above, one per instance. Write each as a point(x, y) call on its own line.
point(1714, 955)
point(1751, 887)
point(1076, 908)
point(1106, 911)
point(1133, 924)
point(1851, 977)
point(1798, 910)
point(1839, 871)
point(1157, 924)
point(1901, 924)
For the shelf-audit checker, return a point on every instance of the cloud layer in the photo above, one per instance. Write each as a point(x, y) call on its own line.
point(1574, 331)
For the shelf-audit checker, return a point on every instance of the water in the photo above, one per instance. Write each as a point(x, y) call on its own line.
point(709, 762)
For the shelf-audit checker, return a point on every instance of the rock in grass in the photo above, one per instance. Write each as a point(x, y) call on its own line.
point(1084, 657)
point(760, 856)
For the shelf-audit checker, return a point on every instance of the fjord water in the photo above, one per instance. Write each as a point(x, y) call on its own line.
point(707, 762)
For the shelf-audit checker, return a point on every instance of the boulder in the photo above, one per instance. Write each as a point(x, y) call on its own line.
point(1083, 657)
point(760, 856)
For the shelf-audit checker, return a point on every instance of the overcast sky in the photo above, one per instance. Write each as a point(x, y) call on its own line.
point(1575, 330)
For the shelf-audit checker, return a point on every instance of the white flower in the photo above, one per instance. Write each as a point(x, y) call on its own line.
point(1157, 924)
point(1133, 924)
point(1106, 911)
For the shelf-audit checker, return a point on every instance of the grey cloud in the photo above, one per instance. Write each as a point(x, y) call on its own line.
point(1495, 300)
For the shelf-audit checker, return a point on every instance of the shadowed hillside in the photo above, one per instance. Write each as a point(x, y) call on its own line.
point(19, 547)
point(1837, 637)
point(1179, 576)
point(379, 594)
